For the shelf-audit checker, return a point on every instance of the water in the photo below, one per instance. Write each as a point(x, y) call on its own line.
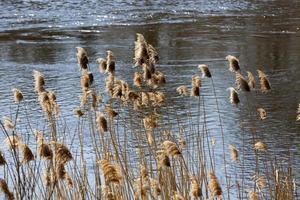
point(42, 35)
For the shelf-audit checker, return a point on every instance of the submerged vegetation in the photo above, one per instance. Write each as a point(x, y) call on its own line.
point(171, 164)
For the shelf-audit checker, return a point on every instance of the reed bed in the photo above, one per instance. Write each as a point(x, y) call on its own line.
point(175, 155)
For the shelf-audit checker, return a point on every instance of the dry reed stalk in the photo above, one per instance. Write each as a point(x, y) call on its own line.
point(234, 98)
point(102, 122)
point(112, 173)
point(234, 153)
point(241, 82)
point(82, 58)
point(205, 71)
point(260, 146)
point(233, 63)
point(214, 186)
point(262, 113)
point(102, 65)
point(251, 80)
point(183, 90)
point(4, 188)
point(18, 95)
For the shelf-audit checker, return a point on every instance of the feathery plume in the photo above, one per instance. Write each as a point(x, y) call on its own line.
point(251, 80)
point(102, 65)
point(112, 173)
point(82, 58)
point(8, 124)
point(110, 111)
point(155, 188)
point(234, 153)
point(13, 141)
point(138, 79)
point(242, 84)
point(196, 81)
point(183, 90)
point(205, 71)
point(262, 113)
point(233, 63)
point(253, 195)
point(150, 122)
point(39, 81)
point(62, 153)
point(234, 97)
point(153, 55)
point(102, 122)
point(195, 92)
point(2, 159)
point(260, 146)
point(27, 154)
point(110, 62)
point(214, 186)
point(107, 193)
point(140, 50)
point(265, 85)
point(79, 112)
point(163, 160)
point(150, 137)
point(4, 188)
point(45, 151)
point(195, 188)
point(177, 196)
point(171, 148)
point(18, 96)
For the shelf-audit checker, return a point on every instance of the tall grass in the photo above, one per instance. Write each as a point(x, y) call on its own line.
point(142, 148)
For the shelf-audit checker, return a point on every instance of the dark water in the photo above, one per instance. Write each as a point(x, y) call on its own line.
point(42, 35)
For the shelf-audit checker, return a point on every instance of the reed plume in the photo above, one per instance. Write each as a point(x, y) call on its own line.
point(155, 188)
point(102, 65)
point(112, 173)
point(18, 95)
point(102, 122)
point(150, 122)
point(234, 153)
point(27, 153)
point(62, 153)
point(234, 97)
point(241, 82)
point(251, 80)
point(253, 195)
point(196, 81)
point(214, 186)
point(265, 85)
point(262, 113)
point(204, 70)
point(45, 151)
point(171, 148)
point(110, 111)
point(233, 63)
point(13, 142)
point(79, 112)
point(163, 160)
point(8, 124)
point(177, 196)
point(4, 188)
point(195, 191)
point(195, 92)
point(110, 62)
point(107, 193)
point(183, 90)
point(153, 55)
point(140, 50)
point(39, 81)
point(2, 159)
point(138, 79)
point(260, 146)
point(260, 181)
point(82, 58)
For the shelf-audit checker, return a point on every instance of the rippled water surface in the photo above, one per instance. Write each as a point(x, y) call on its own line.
point(42, 35)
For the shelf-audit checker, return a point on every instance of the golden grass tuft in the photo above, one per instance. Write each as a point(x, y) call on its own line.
point(62, 153)
point(171, 148)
